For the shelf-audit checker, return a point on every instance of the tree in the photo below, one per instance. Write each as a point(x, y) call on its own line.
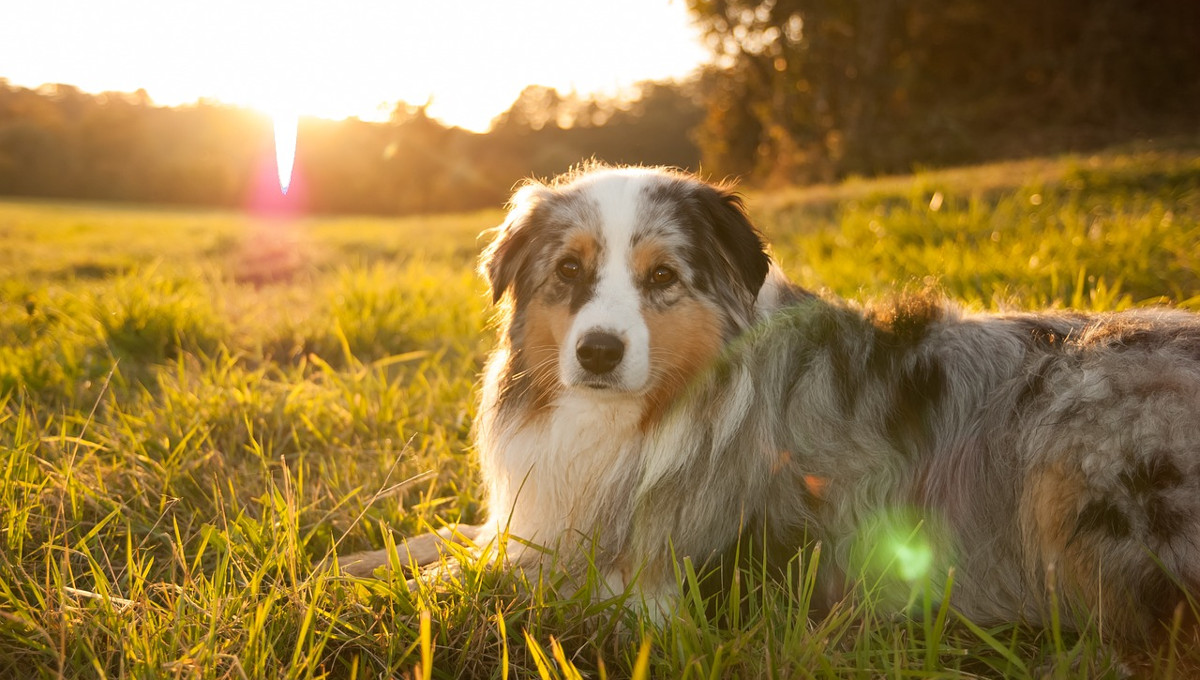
point(866, 86)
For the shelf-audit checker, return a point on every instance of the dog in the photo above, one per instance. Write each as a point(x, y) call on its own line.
point(616, 285)
point(660, 390)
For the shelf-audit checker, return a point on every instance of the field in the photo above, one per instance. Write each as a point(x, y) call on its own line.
point(198, 407)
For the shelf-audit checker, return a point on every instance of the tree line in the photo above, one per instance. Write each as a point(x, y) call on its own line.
point(59, 142)
point(799, 91)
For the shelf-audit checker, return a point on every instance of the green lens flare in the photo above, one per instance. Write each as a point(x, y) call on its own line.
point(914, 558)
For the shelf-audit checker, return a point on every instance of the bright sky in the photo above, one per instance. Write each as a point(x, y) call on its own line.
point(342, 58)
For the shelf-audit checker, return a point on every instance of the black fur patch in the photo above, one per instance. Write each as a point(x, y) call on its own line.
point(920, 385)
point(1164, 519)
point(509, 258)
point(581, 291)
point(524, 240)
point(1102, 516)
point(919, 391)
point(828, 331)
point(1158, 594)
point(1152, 476)
point(738, 238)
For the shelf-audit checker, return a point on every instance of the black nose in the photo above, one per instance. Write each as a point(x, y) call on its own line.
point(599, 352)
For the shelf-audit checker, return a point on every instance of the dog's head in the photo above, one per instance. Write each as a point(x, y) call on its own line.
point(623, 281)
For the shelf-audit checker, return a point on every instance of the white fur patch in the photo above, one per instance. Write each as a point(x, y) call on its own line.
point(616, 304)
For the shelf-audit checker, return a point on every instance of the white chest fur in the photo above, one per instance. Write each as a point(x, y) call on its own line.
point(554, 474)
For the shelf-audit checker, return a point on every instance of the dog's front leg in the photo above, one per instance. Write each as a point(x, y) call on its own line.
point(416, 552)
point(705, 474)
point(644, 591)
point(671, 529)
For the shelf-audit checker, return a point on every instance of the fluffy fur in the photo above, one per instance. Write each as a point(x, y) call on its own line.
point(668, 266)
point(646, 269)
point(1036, 454)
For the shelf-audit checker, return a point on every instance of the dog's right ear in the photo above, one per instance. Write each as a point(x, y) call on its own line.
point(505, 260)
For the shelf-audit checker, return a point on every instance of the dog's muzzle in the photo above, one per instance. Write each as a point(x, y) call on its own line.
point(599, 352)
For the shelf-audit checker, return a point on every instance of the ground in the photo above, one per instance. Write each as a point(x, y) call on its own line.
point(197, 407)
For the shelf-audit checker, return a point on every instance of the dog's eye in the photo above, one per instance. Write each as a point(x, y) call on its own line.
point(569, 268)
point(662, 276)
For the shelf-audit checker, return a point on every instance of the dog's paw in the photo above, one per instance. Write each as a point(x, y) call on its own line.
point(361, 564)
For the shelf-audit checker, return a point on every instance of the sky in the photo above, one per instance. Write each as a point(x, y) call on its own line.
point(468, 58)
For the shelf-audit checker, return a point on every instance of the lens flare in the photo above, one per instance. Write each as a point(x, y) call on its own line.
point(914, 558)
point(902, 547)
point(286, 124)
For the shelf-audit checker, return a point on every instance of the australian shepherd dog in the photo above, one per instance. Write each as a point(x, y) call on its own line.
point(660, 390)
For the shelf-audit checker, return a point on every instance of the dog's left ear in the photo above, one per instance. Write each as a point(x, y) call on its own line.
point(739, 243)
point(507, 257)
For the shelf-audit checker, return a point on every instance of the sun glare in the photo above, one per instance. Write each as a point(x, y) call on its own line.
point(286, 124)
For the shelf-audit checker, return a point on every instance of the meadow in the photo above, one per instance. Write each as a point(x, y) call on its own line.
point(197, 407)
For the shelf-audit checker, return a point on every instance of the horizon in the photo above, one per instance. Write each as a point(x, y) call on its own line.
point(347, 61)
point(47, 89)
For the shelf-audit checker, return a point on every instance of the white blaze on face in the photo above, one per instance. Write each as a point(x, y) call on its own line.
point(615, 305)
point(286, 124)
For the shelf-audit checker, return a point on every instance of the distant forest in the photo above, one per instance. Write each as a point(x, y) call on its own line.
point(57, 141)
point(800, 91)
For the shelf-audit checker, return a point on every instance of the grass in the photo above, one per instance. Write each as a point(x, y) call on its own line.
point(197, 407)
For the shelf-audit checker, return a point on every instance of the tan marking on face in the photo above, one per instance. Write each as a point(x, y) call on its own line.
point(649, 254)
point(684, 338)
point(547, 324)
point(545, 327)
point(584, 246)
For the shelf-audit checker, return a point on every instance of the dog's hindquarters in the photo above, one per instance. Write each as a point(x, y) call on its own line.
point(1110, 504)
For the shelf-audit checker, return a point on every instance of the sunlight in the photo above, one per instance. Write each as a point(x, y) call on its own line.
point(337, 60)
point(286, 123)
